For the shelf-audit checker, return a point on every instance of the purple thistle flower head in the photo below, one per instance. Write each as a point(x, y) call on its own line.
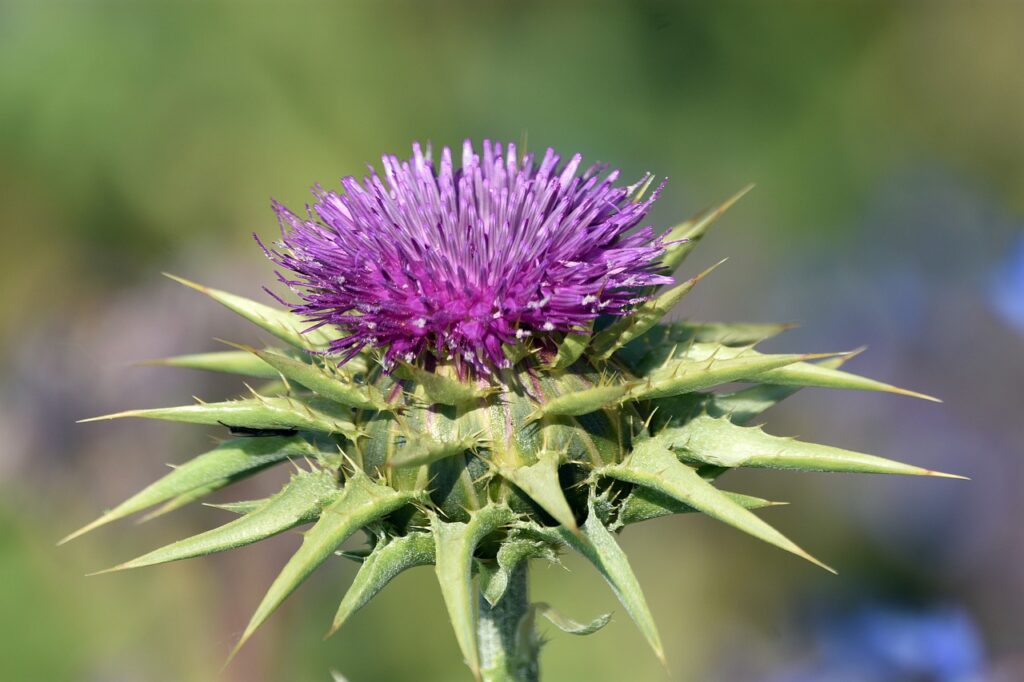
point(457, 263)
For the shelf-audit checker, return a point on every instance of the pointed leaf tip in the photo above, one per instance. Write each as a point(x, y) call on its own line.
point(361, 502)
point(653, 466)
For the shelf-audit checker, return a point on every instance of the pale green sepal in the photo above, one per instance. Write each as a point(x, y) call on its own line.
point(337, 387)
point(424, 448)
point(739, 406)
point(803, 374)
point(443, 389)
point(300, 501)
point(540, 482)
point(653, 466)
point(185, 499)
point(494, 575)
point(667, 341)
point(361, 502)
point(239, 507)
point(281, 323)
point(819, 376)
point(692, 231)
point(226, 362)
point(454, 565)
point(383, 564)
point(644, 504)
point(584, 401)
point(685, 376)
point(281, 412)
point(720, 442)
point(599, 547)
point(643, 318)
point(568, 625)
point(210, 471)
point(570, 349)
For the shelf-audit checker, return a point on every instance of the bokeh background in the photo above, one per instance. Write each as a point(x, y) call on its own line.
point(887, 142)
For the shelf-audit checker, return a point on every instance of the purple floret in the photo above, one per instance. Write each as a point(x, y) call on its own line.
point(459, 263)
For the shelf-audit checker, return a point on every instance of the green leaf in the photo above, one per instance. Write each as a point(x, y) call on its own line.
point(643, 504)
point(284, 325)
point(720, 442)
point(454, 565)
point(443, 389)
point(494, 575)
point(667, 341)
point(599, 547)
point(570, 349)
point(802, 374)
point(568, 625)
point(643, 318)
point(240, 507)
point(739, 406)
point(227, 362)
point(540, 482)
point(684, 376)
point(283, 412)
point(653, 466)
point(583, 402)
point(424, 448)
point(210, 471)
point(361, 502)
point(384, 563)
point(693, 230)
point(319, 379)
point(300, 501)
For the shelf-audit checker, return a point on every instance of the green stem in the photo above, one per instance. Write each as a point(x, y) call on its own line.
point(508, 646)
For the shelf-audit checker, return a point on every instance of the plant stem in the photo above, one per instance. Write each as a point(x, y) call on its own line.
point(508, 646)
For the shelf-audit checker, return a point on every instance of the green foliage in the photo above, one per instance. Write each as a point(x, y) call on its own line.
point(584, 435)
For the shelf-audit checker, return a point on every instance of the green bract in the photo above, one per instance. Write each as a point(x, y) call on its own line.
point(478, 476)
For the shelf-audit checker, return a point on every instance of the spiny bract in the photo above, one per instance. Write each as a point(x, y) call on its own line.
point(451, 440)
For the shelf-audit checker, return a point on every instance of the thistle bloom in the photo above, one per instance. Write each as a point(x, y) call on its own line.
point(628, 421)
point(459, 263)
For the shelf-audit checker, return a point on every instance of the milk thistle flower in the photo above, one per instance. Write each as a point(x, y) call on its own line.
point(478, 374)
point(461, 263)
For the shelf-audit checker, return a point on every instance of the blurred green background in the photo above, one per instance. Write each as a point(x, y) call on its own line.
point(887, 142)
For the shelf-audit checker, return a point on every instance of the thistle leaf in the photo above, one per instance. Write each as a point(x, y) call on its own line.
point(226, 362)
point(540, 482)
point(684, 376)
point(361, 502)
point(644, 504)
point(653, 466)
point(454, 565)
point(494, 576)
point(599, 547)
point(570, 349)
point(720, 442)
point(284, 325)
point(583, 402)
point(646, 315)
point(339, 388)
point(210, 471)
point(283, 412)
point(667, 341)
point(383, 564)
point(240, 507)
point(568, 625)
point(183, 500)
point(442, 389)
point(300, 501)
point(692, 231)
point(803, 374)
point(738, 406)
point(424, 448)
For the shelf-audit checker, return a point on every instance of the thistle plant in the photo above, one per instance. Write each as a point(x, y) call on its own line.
point(475, 371)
